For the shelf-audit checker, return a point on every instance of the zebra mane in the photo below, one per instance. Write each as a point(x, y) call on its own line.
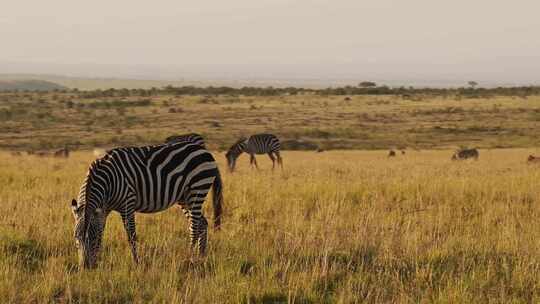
point(239, 141)
point(89, 181)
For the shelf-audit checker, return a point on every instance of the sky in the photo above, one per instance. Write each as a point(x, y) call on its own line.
point(485, 40)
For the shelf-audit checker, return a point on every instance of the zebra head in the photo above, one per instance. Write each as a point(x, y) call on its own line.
point(231, 160)
point(234, 152)
point(89, 226)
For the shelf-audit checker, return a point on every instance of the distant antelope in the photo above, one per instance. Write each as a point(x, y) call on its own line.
point(64, 152)
point(391, 153)
point(16, 153)
point(41, 153)
point(466, 154)
point(255, 144)
point(533, 159)
point(402, 152)
point(99, 152)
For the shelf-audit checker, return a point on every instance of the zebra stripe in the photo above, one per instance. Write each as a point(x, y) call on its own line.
point(255, 144)
point(147, 180)
point(190, 137)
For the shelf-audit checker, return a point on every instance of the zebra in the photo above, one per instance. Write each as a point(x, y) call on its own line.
point(465, 154)
point(146, 179)
point(190, 137)
point(255, 144)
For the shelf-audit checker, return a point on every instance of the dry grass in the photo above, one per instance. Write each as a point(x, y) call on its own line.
point(32, 120)
point(332, 227)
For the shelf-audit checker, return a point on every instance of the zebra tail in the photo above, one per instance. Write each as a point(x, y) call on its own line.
point(217, 200)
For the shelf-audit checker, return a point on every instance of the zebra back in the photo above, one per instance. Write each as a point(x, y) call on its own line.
point(263, 143)
point(190, 137)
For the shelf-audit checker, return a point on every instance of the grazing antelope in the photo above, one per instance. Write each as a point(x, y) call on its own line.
point(255, 144)
point(466, 154)
point(64, 152)
point(99, 152)
point(41, 153)
point(147, 180)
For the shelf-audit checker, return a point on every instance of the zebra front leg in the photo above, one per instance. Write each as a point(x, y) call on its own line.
point(254, 161)
point(273, 160)
point(279, 160)
point(128, 218)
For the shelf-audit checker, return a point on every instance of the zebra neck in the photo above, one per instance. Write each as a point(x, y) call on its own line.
point(97, 191)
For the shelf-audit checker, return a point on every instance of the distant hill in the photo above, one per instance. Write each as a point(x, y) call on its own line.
point(29, 85)
point(82, 83)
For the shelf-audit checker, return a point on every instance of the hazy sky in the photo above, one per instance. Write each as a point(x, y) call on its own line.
point(492, 40)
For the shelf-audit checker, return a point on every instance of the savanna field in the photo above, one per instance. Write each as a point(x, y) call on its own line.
point(348, 225)
point(332, 227)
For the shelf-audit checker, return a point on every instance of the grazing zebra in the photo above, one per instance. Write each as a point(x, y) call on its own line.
point(255, 144)
point(147, 180)
point(190, 137)
point(533, 159)
point(465, 154)
point(391, 153)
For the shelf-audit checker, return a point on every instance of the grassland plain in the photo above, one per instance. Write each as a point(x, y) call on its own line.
point(339, 226)
point(33, 120)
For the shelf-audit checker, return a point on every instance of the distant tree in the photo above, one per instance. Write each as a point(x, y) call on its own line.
point(473, 84)
point(367, 84)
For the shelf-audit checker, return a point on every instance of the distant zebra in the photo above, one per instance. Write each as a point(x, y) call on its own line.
point(147, 180)
point(466, 154)
point(190, 137)
point(255, 144)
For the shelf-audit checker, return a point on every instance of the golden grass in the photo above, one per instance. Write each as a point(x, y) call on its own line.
point(337, 226)
point(32, 120)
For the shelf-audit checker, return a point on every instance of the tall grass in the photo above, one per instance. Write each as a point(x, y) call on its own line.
point(338, 227)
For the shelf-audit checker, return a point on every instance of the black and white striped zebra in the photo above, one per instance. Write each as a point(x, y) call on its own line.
point(147, 180)
point(190, 137)
point(255, 144)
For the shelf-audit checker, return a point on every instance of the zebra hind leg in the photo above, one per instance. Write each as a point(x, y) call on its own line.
point(198, 226)
point(128, 218)
point(253, 161)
